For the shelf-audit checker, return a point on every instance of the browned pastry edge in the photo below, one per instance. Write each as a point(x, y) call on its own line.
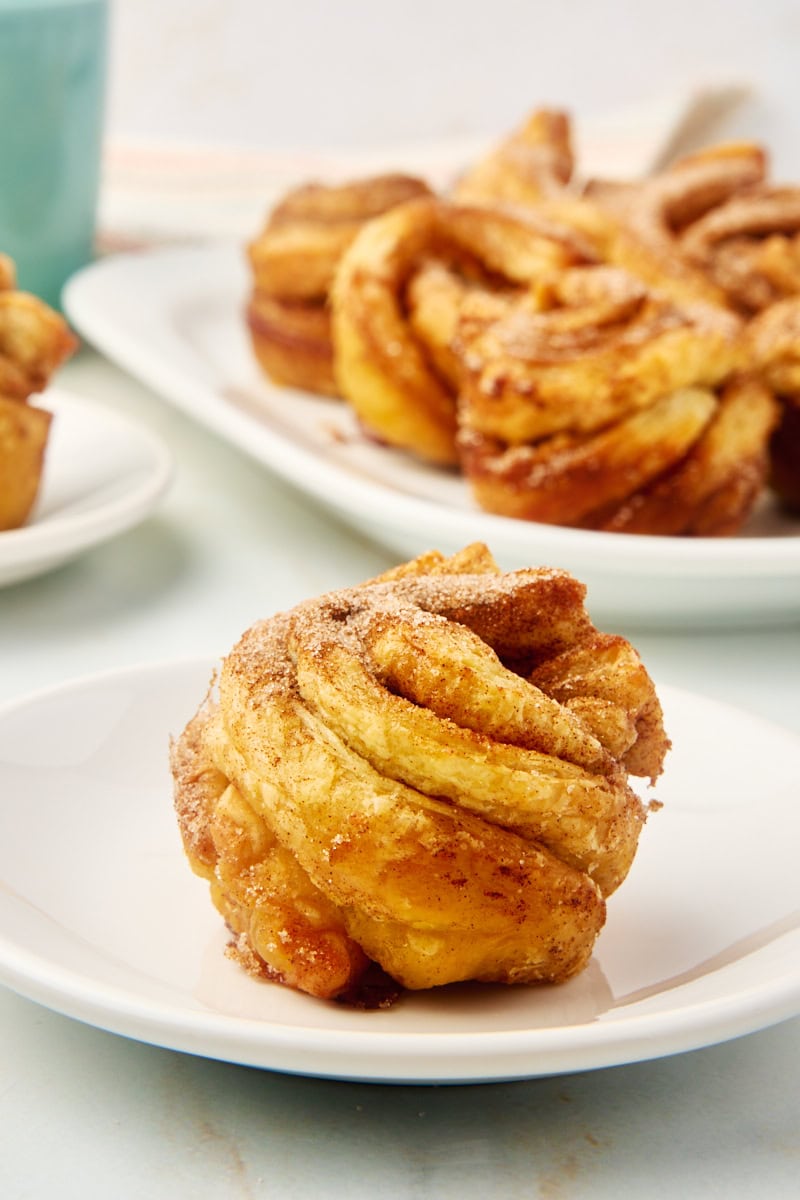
point(292, 343)
point(594, 347)
point(773, 339)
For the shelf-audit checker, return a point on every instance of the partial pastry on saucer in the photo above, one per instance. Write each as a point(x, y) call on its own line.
point(424, 776)
point(34, 341)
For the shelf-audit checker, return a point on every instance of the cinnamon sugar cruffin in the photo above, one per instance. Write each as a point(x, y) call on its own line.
point(427, 772)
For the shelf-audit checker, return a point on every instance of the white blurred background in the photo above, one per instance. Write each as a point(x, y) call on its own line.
point(355, 73)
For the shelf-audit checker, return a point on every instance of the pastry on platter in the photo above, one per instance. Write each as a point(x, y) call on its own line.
point(293, 262)
point(34, 341)
point(599, 404)
point(396, 301)
point(427, 773)
point(579, 350)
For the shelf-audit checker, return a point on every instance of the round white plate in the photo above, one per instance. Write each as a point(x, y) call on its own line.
point(102, 475)
point(101, 918)
point(174, 318)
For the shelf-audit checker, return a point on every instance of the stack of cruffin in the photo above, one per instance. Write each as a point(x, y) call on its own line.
point(34, 341)
point(605, 355)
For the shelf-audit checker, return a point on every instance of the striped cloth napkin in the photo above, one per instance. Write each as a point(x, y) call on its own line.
point(153, 193)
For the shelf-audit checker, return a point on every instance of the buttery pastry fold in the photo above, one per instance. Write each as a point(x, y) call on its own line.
point(427, 772)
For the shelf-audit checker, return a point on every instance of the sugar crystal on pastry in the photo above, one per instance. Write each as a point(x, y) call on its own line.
point(293, 261)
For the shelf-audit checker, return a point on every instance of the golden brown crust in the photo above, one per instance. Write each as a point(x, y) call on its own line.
point(626, 225)
point(712, 490)
point(617, 244)
point(284, 928)
point(563, 479)
point(446, 814)
point(691, 464)
point(750, 247)
point(296, 255)
point(666, 203)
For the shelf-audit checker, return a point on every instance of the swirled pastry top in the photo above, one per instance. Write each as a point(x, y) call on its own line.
point(396, 299)
point(586, 347)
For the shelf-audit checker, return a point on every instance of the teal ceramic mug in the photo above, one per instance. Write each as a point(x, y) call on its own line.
point(52, 89)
